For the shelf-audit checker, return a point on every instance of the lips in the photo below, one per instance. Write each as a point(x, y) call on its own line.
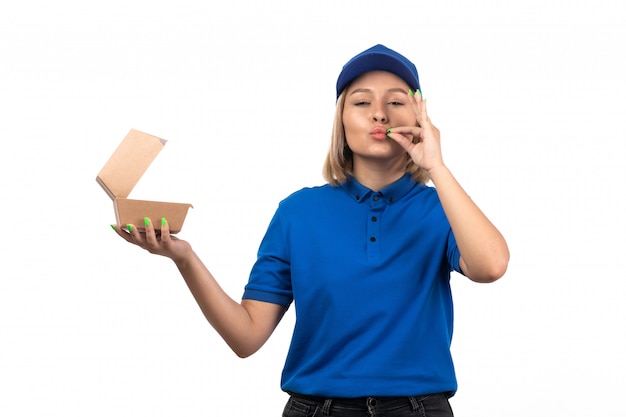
point(379, 133)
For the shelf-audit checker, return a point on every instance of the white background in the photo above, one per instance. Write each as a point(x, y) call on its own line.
point(529, 97)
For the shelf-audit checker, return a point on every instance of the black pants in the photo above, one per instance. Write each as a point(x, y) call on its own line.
point(435, 405)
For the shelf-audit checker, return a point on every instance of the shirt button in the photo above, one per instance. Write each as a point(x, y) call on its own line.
point(374, 218)
point(372, 239)
point(375, 198)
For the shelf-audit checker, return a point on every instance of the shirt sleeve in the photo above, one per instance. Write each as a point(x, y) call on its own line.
point(270, 278)
point(453, 254)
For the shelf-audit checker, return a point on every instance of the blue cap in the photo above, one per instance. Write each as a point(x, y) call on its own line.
point(378, 58)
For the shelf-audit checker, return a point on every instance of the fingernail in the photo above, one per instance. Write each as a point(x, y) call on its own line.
point(163, 222)
point(412, 93)
point(389, 131)
point(419, 92)
point(129, 227)
point(113, 227)
point(146, 221)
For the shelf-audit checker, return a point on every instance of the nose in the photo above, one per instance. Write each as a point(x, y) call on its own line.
point(379, 115)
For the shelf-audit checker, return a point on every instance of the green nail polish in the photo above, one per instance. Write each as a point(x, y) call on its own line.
point(163, 222)
point(146, 221)
point(129, 227)
point(419, 92)
point(412, 93)
point(113, 227)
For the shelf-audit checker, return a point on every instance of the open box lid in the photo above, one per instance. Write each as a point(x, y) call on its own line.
point(128, 163)
point(122, 172)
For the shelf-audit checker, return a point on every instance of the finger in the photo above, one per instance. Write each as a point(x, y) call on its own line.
point(118, 229)
point(418, 95)
point(419, 107)
point(414, 102)
point(165, 232)
point(423, 112)
point(131, 234)
point(417, 104)
point(406, 130)
point(413, 134)
point(404, 136)
point(151, 238)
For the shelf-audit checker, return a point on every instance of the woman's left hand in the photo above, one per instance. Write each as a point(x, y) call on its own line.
point(421, 142)
point(484, 252)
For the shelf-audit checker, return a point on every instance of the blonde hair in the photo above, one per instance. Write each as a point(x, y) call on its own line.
point(338, 163)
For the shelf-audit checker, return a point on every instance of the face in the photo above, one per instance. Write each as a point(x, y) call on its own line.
point(375, 102)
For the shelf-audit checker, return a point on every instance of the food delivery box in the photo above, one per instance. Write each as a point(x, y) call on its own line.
point(122, 172)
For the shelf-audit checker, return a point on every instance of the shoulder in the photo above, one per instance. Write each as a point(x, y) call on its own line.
point(422, 200)
point(423, 192)
point(309, 203)
point(307, 195)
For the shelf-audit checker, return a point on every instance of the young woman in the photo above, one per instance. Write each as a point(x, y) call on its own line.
point(366, 259)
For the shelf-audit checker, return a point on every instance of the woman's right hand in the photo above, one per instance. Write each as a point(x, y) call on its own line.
point(163, 244)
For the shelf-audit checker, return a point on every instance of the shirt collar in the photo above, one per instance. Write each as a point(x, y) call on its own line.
point(393, 192)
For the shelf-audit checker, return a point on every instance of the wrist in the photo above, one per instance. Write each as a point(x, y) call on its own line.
point(437, 172)
point(185, 259)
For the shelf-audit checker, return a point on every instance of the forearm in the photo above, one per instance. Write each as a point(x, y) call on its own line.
point(244, 326)
point(484, 252)
point(228, 317)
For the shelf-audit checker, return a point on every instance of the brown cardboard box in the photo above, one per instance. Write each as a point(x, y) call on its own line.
point(122, 172)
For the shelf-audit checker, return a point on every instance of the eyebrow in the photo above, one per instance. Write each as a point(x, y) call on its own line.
point(369, 90)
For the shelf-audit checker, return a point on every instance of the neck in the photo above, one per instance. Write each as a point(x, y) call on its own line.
point(376, 175)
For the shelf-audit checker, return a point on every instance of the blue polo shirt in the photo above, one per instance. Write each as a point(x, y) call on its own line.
point(369, 275)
